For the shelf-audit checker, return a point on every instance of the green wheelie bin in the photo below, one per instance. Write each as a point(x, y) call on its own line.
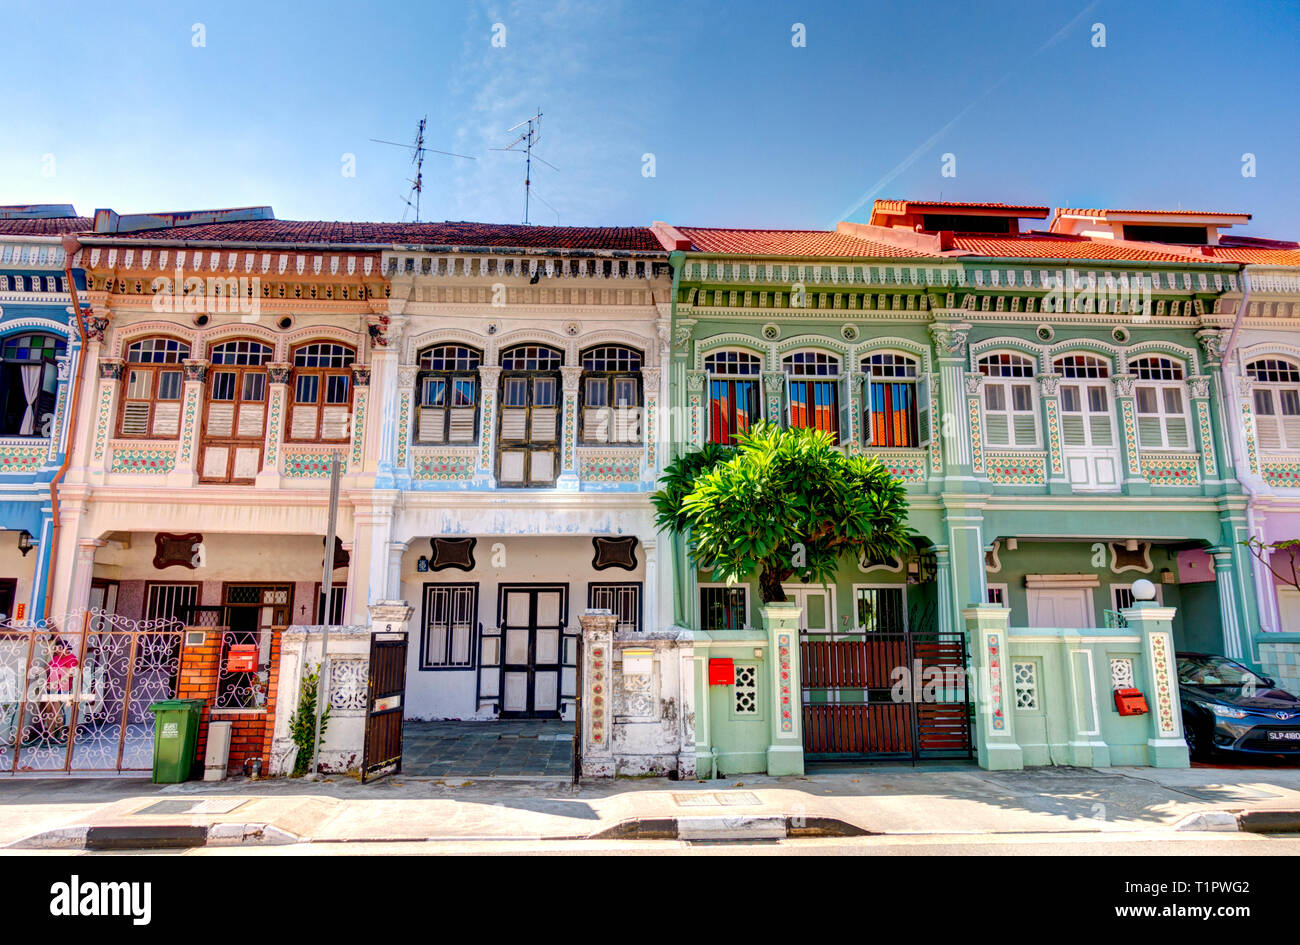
point(175, 733)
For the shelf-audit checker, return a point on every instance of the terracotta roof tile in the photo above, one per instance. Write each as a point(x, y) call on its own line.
point(1060, 246)
point(791, 243)
point(45, 226)
point(914, 206)
point(632, 238)
point(1096, 212)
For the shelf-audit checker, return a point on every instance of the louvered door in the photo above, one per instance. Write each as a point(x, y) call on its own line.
point(234, 425)
point(529, 430)
point(1089, 444)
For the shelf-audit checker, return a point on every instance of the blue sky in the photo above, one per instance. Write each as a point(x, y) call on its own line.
point(113, 105)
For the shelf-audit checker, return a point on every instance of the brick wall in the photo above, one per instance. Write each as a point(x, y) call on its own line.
point(252, 730)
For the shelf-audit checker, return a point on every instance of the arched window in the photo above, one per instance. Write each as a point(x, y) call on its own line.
point(235, 416)
point(448, 385)
point(322, 393)
point(31, 380)
point(151, 403)
point(896, 412)
point(812, 391)
point(1085, 401)
point(734, 396)
point(1010, 417)
point(529, 430)
point(1161, 404)
point(1277, 403)
point(611, 395)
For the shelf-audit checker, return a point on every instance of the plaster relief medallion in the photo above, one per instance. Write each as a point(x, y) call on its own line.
point(176, 550)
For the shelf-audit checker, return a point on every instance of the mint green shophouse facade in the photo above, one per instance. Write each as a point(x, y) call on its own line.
point(1057, 443)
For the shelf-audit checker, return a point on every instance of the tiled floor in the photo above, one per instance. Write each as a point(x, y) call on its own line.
point(487, 749)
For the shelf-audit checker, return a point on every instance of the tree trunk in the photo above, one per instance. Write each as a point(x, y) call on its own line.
point(769, 585)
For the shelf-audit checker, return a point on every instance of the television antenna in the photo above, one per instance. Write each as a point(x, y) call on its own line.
point(418, 151)
point(528, 138)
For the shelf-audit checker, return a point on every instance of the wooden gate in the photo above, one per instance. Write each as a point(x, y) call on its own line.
point(886, 696)
point(385, 706)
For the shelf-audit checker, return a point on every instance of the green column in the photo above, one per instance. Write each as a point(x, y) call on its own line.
point(1058, 483)
point(1135, 483)
point(995, 736)
point(1165, 745)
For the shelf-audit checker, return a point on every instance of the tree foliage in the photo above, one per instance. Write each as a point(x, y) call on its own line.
point(784, 503)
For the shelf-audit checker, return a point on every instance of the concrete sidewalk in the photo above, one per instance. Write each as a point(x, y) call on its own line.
point(951, 799)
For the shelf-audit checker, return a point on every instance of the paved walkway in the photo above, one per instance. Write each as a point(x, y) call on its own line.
point(883, 799)
point(510, 748)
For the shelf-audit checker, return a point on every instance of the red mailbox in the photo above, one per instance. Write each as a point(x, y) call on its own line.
point(722, 672)
point(1131, 702)
point(242, 658)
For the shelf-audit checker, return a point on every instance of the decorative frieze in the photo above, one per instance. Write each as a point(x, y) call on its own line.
point(1180, 470)
point(442, 465)
point(311, 464)
point(607, 466)
point(1283, 474)
point(146, 458)
point(1016, 469)
point(25, 458)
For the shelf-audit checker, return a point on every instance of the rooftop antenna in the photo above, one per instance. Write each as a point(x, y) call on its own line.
point(418, 150)
point(528, 138)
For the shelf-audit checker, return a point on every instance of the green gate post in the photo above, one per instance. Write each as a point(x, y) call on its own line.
point(1165, 746)
point(785, 753)
point(995, 736)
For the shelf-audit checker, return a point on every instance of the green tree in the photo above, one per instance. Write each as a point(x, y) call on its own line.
point(302, 724)
point(782, 503)
point(1265, 552)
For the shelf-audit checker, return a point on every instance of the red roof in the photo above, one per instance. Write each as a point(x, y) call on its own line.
point(1060, 246)
point(266, 232)
point(45, 226)
point(1256, 252)
point(790, 243)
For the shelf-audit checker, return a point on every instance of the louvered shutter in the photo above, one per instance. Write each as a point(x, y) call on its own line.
point(1176, 432)
point(1024, 429)
point(462, 425)
point(543, 425)
point(221, 419)
point(514, 423)
point(431, 425)
point(135, 418)
point(595, 424)
point(1072, 430)
point(1291, 431)
point(167, 418)
point(846, 409)
point(627, 424)
point(923, 411)
point(997, 429)
point(1099, 424)
point(1149, 432)
point(250, 419)
point(334, 422)
point(302, 422)
point(868, 415)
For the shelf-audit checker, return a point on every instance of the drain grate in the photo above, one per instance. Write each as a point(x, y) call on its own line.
point(201, 805)
point(717, 799)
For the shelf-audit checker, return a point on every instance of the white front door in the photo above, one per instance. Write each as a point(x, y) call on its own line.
point(1088, 442)
point(1060, 607)
point(817, 604)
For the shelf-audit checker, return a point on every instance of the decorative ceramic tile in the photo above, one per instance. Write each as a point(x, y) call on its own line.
point(1171, 470)
point(403, 427)
point(143, 459)
point(609, 467)
point(25, 458)
point(442, 465)
point(359, 425)
point(311, 464)
point(976, 435)
point(1129, 422)
point(1286, 475)
point(908, 465)
point(997, 712)
point(1054, 435)
point(1019, 469)
point(1248, 424)
point(1207, 439)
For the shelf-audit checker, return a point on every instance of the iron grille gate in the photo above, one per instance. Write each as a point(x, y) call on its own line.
point(75, 692)
point(385, 705)
point(886, 696)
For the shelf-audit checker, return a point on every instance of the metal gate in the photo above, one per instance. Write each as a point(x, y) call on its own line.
point(886, 696)
point(75, 692)
point(385, 705)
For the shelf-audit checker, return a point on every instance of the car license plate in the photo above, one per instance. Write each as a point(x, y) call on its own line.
point(1284, 736)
